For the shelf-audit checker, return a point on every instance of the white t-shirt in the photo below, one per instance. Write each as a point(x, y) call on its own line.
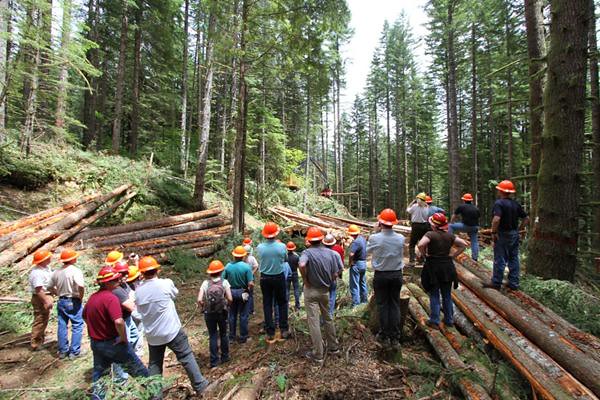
point(67, 281)
point(251, 260)
point(40, 276)
point(418, 214)
point(154, 301)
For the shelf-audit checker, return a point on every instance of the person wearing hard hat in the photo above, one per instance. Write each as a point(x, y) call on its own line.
point(240, 277)
point(293, 281)
point(214, 298)
point(419, 214)
point(505, 235)
point(133, 280)
point(41, 296)
point(319, 266)
point(439, 247)
point(469, 215)
point(329, 242)
point(162, 326)
point(387, 250)
point(357, 264)
point(106, 329)
point(253, 263)
point(433, 209)
point(272, 255)
point(70, 288)
point(113, 257)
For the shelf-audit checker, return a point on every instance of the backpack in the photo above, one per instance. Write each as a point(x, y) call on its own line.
point(214, 299)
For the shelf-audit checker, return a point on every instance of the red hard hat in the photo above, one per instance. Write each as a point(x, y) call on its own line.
point(68, 255)
point(121, 267)
point(107, 274)
point(270, 230)
point(439, 220)
point(291, 246)
point(467, 197)
point(428, 199)
point(314, 234)
point(148, 263)
point(215, 266)
point(506, 186)
point(40, 256)
point(387, 217)
point(247, 241)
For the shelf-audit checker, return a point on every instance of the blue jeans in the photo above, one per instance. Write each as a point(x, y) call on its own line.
point(332, 295)
point(295, 283)
point(358, 283)
point(216, 323)
point(273, 291)
point(69, 309)
point(105, 353)
point(287, 304)
point(472, 231)
point(434, 303)
point(506, 251)
point(239, 309)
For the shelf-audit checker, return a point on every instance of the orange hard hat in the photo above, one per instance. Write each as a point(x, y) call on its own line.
point(314, 234)
point(291, 246)
point(353, 230)
point(68, 255)
point(133, 273)
point(467, 197)
point(247, 240)
point(428, 199)
point(387, 217)
point(107, 274)
point(239, 251)
point(40, 256)
point(506, 186)
point(270, 230)
point(148, 263)
point(215, 267)
point(113, 257)
point(439, 220)
point(121, 267)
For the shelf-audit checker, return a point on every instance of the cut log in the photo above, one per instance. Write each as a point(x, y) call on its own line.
point(160, 247)
point(251, 391)
point(12, 238)
point(369, 226)
point(200, 252)
point(138, 236)
point(35, 218)
point(30, 244)
point(587, 343)
point(139, 226)
point(583, 366)
point(447, 354)
point(545, 375)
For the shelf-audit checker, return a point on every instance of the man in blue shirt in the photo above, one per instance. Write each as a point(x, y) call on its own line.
point(272, 255)
point(358, 266)
point(469, 214)
point(505, 234)
point(433, 209)
point(240, 277)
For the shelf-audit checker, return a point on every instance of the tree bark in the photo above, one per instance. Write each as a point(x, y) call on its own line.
point(553, 251)
point(536, 50)
point(63, 75)
point(474, 152)
point(453, 153)
point(204, 129)
point(184, 79)
point(4, 18)
point(509, 105)
point(595, 103)
point(91, 94)
point(135, 91)
point(116, 128)
point(32, 82)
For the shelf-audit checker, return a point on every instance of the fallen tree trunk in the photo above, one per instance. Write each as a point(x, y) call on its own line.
point(160, 247)
point(12, 238)
point(154, 233)
point(447, 354)
point(35, 218)
point(587, 343)
point(399, 228)
point(199, 252)
point(251, 391)
point(583, 366)
point(545, 375)
point(30, 244)
point(143, 225)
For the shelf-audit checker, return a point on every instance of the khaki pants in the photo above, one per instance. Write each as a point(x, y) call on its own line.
point(316, 302)
point(40, 321)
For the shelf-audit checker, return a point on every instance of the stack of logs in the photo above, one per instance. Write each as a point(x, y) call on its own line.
point(558, 360)
point(69, 226)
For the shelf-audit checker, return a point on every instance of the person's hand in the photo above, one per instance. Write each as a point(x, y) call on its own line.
point(121, 340)
point(48, 304)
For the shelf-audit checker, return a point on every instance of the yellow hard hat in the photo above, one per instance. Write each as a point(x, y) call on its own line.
point(422, 196)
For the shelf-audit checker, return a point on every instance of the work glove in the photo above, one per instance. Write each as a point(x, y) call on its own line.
point(245, 296)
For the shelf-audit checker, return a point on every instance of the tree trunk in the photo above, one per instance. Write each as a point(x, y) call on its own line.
point(33, 83)
point(474, 152)
point(509, 84)
point(241, 127)
point(453, 153)
point(389, 198)
point(308, 155)
point(91, 94)
point(554, 245)
point(116, 128)
point(4, 18)
point(595, 103)
point(135, 92)
point(63, 75)
point(536, 50)
point(184, 79)
point(204, 131)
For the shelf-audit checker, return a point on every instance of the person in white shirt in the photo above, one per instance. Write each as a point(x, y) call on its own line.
point(162, 327)
point(41, 300)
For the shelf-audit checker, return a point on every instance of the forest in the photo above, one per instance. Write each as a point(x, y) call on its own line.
point(243, 101)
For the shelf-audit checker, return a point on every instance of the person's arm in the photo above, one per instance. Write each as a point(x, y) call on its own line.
point(302, 268)
point(422, 245)
point(250, 279)
point(228, 295)
point(201, 296)
point(174, 291)
point(128, 305)
point(81, 292)
point(495, 225)
point(46, 300)
point(120, 326)
point(524, 223)
point(80, 283)
point(459, 246)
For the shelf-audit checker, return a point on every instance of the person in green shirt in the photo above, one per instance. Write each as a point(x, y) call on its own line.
point(239, 275)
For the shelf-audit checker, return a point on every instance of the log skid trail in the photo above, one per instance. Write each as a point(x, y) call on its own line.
point(514, 324)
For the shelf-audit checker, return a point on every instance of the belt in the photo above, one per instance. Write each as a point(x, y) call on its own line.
point(69, 297)
point(419, 223)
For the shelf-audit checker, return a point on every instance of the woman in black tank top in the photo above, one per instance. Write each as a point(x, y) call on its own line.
point(439, 272)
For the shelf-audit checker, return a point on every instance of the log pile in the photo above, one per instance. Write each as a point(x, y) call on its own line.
point(69, 225)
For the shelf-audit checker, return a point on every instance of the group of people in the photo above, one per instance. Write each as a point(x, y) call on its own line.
point(132, 303)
